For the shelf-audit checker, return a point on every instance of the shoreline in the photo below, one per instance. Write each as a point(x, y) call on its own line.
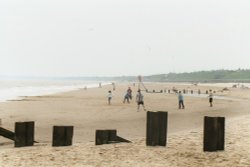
point(21, 89)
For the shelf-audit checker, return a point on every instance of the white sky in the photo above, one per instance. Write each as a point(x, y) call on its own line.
point(122, 37)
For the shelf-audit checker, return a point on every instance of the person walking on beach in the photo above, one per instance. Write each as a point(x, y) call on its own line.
point(109, 97)
point(113, 84)
point(210, 98)
point(140, 100)
point(126, 98)
point(181, 100)
point(129, 93)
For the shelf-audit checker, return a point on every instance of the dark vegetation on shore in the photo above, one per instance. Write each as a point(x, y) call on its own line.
point(236, 76)
point(239, 75)
point(204, 76)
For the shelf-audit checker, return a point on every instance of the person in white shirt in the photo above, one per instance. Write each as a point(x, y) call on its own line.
point(109, 96)
point(181, 100)
point(140, 100)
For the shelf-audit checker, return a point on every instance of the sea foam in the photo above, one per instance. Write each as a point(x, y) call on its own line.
point(17, 89)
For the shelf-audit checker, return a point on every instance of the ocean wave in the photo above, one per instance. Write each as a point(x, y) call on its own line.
point(16, 89)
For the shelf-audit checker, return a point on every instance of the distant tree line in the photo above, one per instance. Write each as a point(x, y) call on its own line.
point(239, 75)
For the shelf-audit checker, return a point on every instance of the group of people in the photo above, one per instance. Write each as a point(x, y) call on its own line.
point(128, 98)
point(181, 99)
point(140, 98)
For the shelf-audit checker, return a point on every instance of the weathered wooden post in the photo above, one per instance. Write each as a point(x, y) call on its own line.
point(105, 136)
point(156, 128)
point(184, 91)
point(7, 133)
point(24, 134)
point(206, 91)
point(163, 121)
point(214, 133)
point(108, 137)
point(192, 91)
point(168, 91)
point(62, 135)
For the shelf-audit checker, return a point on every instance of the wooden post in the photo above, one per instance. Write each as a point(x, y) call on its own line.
point(8, 134)
point(214, 133)
point(152, 129)
point(62, 135)
point(120, 139)
point(24, 134)
point(105, 136)
point(168, 91)
point(156, 128)
point(163, 122)
point(221, 133)
point(108, 137)
point(192, 91)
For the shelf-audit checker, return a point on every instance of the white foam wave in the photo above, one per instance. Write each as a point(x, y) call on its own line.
point(12, 90)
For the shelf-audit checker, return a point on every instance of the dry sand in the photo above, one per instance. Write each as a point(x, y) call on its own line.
point(87, 110)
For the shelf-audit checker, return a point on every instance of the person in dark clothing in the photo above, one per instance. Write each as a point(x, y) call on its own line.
point(129, 93)
point(126, 98)
point(210, 98)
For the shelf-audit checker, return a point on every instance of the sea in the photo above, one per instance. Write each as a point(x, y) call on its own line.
point(17, 88)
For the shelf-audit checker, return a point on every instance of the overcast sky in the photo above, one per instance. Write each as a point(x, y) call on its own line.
point(122, 37)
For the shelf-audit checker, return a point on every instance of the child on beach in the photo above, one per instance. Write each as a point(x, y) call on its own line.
point(210, 98)
point(140, 100)
point(109, 97)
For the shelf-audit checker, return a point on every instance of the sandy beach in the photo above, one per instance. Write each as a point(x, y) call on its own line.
point(88, 110)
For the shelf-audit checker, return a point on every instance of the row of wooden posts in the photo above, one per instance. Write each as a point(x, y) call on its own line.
point(24, 134)
point(157, 122)
point(184, 91)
